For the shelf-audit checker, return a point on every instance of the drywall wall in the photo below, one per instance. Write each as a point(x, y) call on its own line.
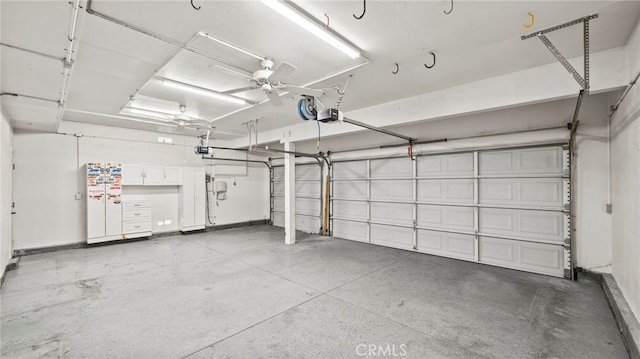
point(50, 172)
point(6, 148)
point(625, 184)
point(239, 189)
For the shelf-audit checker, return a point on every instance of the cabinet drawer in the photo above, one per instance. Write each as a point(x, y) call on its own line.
point(136, 204)
point(134, 227)
point(137, 214)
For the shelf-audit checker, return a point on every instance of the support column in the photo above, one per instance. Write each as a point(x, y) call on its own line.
point(289, 194)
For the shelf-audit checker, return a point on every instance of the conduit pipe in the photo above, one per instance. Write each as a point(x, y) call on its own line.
point(32, 52)
point(67, 62)
point(27, 96)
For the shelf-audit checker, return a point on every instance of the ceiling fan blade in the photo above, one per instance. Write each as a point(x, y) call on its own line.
point(285, 69)
point(241, 89)
point(274, 98)
point(304, 90)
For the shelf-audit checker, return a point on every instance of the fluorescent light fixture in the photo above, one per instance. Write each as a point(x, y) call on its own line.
point(203, 91)
point(312, 27)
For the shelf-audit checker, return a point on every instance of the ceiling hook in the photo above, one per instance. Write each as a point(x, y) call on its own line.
point(328, 21)
point(434, 60)
point(526, 26)
point(450, 11)
point(197, 8)
point(397, 69)
point(363, 11)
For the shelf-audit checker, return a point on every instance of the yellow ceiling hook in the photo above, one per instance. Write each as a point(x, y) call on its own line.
point(526, 26)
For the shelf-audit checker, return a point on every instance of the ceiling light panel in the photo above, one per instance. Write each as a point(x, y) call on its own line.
point(203, 91)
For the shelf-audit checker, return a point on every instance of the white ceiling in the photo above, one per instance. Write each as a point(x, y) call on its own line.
point(479, 39)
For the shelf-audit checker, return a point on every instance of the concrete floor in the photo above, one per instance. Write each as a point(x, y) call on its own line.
point(242, 293)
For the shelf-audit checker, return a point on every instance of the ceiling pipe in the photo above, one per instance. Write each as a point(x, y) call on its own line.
point(32, 52)
point(67, 62)
point(27, 96)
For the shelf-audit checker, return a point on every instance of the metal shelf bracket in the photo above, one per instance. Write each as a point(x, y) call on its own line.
point(583, 81)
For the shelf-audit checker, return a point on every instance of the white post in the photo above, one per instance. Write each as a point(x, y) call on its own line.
point(289, 194)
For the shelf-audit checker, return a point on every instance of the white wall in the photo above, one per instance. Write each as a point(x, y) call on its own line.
point(50, 172)
point(243, 189)
point(625, 185)
point(6, 145)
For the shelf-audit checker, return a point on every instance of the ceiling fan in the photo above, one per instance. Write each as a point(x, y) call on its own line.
point(270, 82)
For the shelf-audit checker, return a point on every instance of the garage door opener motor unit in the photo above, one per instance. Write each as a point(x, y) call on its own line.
point(308, 111)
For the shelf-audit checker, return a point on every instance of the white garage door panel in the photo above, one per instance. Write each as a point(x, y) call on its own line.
point(307, 224)
point(455, 191)
point(446, 217)
point(308, 189)
point(278, 189)
point(392, 213)
point(533, 257)
point(397, 167)
point(278, 174)
point(546, 160)
point(446, 165)
point(546, 225)
point(399, 190)
point(350, 189)
point(501, 207)
point(460, 246)
point(353, 169)
point(307, 209)
point(307, 206)
point(278, 204)
point(396, 237)
point(545, 192)
point(356, 231)
point(350, 210)
point(278, 219)
point(308, 172)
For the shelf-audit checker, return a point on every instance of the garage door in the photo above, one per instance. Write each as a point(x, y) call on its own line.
point(508, 208)
point(308, 197)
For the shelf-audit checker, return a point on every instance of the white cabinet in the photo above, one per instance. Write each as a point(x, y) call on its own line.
point(104, 191)
point(153, 175)
point(192, 201)
point(139, 175)
point(132, 175)
point(172, 175)
point(136, 219)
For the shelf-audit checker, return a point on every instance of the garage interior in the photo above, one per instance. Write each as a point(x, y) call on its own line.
point(328, 179)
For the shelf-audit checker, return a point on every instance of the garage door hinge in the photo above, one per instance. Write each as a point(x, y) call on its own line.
point(608, 208)
point(567, 207)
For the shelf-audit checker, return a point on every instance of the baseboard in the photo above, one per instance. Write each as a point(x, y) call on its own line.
point(30, 251)
point(627, 322)
point(12, 265)
point(237, 225)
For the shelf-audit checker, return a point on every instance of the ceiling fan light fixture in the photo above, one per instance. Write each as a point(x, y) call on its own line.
point(203, 91)
point(307, 24)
